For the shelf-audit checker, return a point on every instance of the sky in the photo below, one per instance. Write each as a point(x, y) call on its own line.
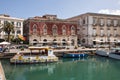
point(62, 8)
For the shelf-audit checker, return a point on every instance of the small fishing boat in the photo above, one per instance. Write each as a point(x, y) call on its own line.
point(43, 55)
point(75, 54)
point(115, 53)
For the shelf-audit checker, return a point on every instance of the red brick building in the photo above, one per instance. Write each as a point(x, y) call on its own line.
point(49, 30)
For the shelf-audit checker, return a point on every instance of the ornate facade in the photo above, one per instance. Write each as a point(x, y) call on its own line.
point(49, 30)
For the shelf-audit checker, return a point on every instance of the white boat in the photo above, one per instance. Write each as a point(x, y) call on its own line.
point(102, 52)
point(115, 53)
point(43, 55)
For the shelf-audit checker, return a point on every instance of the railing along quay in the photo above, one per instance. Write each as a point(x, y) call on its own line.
point(58, 52)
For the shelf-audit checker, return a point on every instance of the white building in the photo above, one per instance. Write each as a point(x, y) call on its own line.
point(17, 22)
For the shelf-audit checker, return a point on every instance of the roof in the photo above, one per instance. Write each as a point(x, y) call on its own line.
point(10, 18)
point(94, 14)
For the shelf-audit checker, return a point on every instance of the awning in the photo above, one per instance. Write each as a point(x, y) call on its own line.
point(4, 43)
point(21, 37)
point(98, 40)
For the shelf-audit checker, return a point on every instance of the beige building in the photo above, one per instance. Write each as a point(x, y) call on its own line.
point(98, 28)
point(17, 22)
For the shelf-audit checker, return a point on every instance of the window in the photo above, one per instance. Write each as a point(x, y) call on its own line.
point(94, 32)
point(12, 23)
point(115, 32)
point(108, 32)
point(109, 22)
point(94, 21)
point(18, 32)
point(64, 30)
point(45, 30)
point(81, 22)
point(34, 28)
point(18, 24)
point(72, 42)
point(72, 30)
point(54, 30)
point(115, 23)
point(101, 32)
point(101, 22)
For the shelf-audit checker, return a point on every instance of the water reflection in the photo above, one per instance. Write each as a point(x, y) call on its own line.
point(90, 68)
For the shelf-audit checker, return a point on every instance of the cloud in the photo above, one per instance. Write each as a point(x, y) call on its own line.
point(110, 11)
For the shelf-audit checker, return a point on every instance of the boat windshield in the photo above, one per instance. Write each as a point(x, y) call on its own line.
point(116, 50)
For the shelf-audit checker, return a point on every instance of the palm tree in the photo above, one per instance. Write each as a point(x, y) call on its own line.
point(8, 28)
point(1, 28)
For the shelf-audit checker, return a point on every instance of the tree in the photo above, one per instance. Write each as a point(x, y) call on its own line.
point(1, 28)
point(8, 28)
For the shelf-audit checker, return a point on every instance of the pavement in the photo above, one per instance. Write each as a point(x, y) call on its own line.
point(55, 50)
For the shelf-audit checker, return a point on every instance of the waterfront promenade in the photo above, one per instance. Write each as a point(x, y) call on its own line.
point(58, 52)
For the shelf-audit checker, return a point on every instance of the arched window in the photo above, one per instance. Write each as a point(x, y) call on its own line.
point(64, 30)
point(45, 30)
point(18, 32)
point(34, 28)
point(54, 42)
point(72, 42)
point(72, 30)
point(54, 30)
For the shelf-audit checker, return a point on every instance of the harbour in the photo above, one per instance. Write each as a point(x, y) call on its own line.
point(90, 68)
point(52, 40)
point(57, 52)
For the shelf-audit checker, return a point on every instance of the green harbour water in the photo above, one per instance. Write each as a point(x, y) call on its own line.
point(91, 68)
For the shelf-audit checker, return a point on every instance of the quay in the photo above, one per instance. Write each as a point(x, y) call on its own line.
point(58, 52)
point(2, 75)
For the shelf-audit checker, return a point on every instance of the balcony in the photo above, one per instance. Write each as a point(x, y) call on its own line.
point(102, 35)
point(94, 35)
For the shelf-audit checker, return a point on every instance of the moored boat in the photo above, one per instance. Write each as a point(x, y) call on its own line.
point(45, 55)
point(102, 52)
point(75, 54)
point(115, 53)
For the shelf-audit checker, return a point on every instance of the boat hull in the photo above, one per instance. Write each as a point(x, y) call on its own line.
point(102, 53)
point(33, 59)
point(114, 56)
point(73, 55)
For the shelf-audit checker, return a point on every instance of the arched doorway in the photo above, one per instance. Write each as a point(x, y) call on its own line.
point(54, 43)
point(44, 42)
point(34, 41)
point(72, 42)
point(64, 42)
